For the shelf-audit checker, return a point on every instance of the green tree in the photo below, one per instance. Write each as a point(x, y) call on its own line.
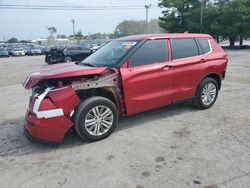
point(79, 34)
point(177, 14)
point(221, 18)
point(12, 40)
point(235, 20)
point(133, 27)
point(99, 35)
point(51, 30)
point(153, 26)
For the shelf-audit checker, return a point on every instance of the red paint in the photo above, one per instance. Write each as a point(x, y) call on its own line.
point(52, 129)
point(142, 88)
point(63, 70)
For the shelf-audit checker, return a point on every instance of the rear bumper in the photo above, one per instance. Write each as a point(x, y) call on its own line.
point(48, 115)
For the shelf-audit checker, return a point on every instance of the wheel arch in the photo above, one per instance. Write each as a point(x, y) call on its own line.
point(210, 75)
point(109, 93)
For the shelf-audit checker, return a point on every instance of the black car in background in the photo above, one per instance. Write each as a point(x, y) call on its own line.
point(67, 54)
point(4, 52)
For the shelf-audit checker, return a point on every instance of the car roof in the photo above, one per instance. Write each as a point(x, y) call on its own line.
point(164, 35)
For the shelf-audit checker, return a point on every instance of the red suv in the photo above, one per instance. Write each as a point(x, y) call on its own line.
point(126, 76)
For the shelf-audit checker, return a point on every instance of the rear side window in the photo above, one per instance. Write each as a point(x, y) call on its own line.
point(184, 47)
point(72, 48)
point(152, 51)
point(205, 47)
point(82, 48)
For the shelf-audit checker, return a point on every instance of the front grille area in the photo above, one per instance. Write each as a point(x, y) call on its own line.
point(39, 89)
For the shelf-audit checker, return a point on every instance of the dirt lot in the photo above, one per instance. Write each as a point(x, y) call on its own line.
point(175, 146)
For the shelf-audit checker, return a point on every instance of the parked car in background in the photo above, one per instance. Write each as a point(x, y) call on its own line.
point(44, 50)
point(34, 51)
point(4, 52)
point(25, 49)
point(17, 52)
point(125, 77)
point(67, 54)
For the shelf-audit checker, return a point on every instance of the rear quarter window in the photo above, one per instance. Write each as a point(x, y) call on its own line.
point(183, 48)
point(204, 45)
point(72, 48)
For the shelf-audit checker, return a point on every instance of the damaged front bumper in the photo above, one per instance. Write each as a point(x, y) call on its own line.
point(48, 117)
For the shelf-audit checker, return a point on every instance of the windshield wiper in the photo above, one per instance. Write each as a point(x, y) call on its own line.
point(88, 64)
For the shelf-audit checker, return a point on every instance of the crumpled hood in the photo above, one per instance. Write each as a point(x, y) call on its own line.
point(63, 70)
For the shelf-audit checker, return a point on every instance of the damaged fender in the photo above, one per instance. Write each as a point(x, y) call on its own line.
point(110, 82)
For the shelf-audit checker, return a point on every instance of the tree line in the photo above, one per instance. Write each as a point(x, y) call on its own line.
point(223, 19)
point(124, 28)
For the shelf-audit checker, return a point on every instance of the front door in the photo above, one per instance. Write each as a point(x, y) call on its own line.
point(148, 79)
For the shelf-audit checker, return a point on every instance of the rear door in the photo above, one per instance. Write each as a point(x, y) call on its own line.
point(148, 80)
point(189, 64)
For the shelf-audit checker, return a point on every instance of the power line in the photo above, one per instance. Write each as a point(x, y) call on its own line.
point(26, 5)
point(80, 7)
point(147, 8)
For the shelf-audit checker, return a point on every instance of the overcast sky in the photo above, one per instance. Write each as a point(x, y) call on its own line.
point(31, 24)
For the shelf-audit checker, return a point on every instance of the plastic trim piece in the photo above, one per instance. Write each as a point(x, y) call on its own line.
point(46, 113)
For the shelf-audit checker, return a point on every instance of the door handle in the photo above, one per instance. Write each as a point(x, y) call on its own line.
point(203, 60)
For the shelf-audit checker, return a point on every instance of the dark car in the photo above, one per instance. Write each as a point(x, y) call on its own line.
point(67, 54)
point(4, 52)
point(45, 50)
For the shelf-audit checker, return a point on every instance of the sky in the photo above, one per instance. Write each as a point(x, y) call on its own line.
point(31, 24)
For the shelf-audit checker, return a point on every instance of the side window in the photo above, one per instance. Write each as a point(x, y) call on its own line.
point(72, 48)
point(152, 51)
point(84, 49)
point(203, 42)
point(184, 47)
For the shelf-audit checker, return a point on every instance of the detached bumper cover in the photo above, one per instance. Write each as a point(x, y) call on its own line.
point(48, 116)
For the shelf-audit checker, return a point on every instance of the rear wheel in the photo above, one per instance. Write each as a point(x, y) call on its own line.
point(95, 118)
point(206, 94)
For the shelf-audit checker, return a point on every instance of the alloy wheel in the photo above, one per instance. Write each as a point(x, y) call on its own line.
point(99, 120)
point(208, 94)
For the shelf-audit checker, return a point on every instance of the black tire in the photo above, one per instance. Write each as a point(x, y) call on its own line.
point(82, 111)
point(198, 103)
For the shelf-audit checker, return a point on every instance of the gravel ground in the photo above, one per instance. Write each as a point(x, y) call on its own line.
point(175, 146)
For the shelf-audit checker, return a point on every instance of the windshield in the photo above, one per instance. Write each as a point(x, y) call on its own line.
point(110, 54)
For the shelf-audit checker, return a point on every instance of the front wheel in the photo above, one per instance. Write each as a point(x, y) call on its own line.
point(95, 118)
point(206, 94)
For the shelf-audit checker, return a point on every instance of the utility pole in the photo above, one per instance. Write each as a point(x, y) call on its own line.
point(73, 22)
point(202, 13)
point(147, 8)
